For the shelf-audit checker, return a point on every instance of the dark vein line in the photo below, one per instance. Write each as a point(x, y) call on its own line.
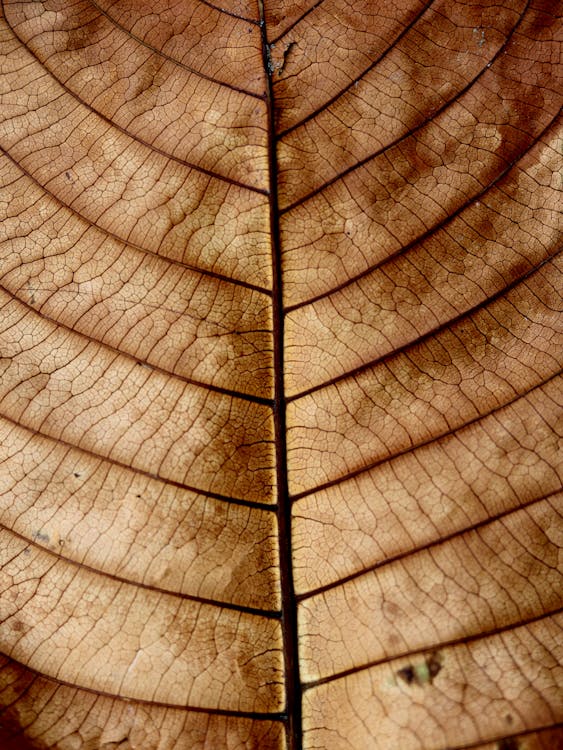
point(295, 21)
point(128, 243)
point(293, 724)
point(414, 130)
point(372, 465)
point(143, 362)
point(370, 67)
point(428, 545)
point(441, 225)
point(144, 701)
point(230, 13)
point(173, 59)
point(452, 642)
point(141, 472)
point(433, 332)
point(134, 138)
point(498, 738)
point(267, 613)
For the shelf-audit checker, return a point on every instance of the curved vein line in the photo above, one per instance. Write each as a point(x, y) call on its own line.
point(427, 546)
point(499, 738)
point(468, 639)
point(144, 701)
point(373, 464)
point(494, 183)
point(173, 59)
point(267, 613)
point(229, 12)
point(128, 243)
point(414, 130)
point(141, 472)
point(134, 138)
point(370, 67)
point(433, 332)
point(138, 360)
point(296, 21)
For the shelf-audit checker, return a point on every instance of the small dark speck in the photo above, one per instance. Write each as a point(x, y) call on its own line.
point(68, 176)
point(422, 673)
point(76, 474)
point(508, 718)
point(434, 664)
point(137, 496)
point(407, 674)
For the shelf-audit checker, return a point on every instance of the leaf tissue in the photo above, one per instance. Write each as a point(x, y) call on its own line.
point(280, 355)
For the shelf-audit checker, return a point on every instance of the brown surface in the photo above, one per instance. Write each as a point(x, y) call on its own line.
point(280, 395)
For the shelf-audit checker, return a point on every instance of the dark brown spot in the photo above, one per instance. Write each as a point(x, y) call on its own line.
point(434, 664)
point(407, 674)
point(422, 673)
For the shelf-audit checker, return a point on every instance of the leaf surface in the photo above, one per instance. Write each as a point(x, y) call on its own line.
point(280, 344)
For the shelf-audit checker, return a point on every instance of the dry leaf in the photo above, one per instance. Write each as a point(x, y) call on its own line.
point(280, 398)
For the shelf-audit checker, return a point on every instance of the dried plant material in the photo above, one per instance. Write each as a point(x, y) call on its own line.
point(280, 356)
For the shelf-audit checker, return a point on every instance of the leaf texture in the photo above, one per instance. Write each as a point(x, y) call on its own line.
point(280, 405)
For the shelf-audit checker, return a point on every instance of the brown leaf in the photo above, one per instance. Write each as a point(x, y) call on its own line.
point(280, 405)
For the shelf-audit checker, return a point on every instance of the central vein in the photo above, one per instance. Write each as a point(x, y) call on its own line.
point(289, 605)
